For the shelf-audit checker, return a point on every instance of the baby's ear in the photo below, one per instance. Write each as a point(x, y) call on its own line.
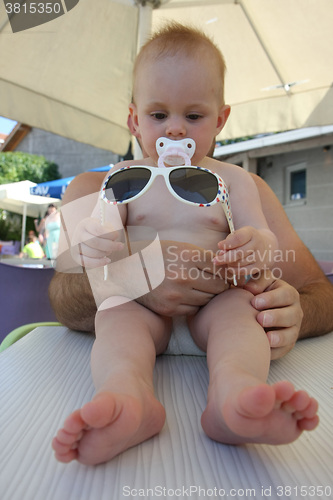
point(223, 117)
point(132, 120)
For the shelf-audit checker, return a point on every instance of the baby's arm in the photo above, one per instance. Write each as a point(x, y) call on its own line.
point(248, 249)
point(93, 241)
point(97, 236)
point(252, 247)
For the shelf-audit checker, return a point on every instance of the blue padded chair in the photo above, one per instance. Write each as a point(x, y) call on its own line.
point(13, 249)
point(24, 297)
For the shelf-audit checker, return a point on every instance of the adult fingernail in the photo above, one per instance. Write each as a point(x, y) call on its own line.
point(267, 319)
point(274, 339)
point(259, 303)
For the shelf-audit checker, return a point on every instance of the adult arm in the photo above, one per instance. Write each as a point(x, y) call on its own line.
point(298, 268)
point(69, 291)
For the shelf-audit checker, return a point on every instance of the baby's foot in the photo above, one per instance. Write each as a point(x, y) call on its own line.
point(259, 414)
point(106, 426)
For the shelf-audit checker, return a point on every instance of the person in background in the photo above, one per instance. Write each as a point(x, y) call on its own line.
point(40, 228)
point(32, 249)
point(52, 232)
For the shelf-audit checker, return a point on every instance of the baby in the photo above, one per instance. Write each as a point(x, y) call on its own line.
point(178, 93)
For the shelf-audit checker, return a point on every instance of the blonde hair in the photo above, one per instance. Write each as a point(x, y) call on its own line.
point(175, 38)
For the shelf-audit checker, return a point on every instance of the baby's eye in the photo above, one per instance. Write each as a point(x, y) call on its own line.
point(193, 116)
point(158, 116)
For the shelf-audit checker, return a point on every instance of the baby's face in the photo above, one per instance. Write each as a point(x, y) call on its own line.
point(178, 98)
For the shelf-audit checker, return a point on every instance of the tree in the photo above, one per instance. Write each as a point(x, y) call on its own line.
point(18, 166)
point(15, 167)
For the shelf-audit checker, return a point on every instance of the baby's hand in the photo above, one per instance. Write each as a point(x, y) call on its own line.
point(246, 251)
point(92, 242)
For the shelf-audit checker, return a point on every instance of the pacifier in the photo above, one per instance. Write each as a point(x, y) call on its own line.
point(174, 153)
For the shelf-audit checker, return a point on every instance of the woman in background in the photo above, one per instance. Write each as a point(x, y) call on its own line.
point(52, 232)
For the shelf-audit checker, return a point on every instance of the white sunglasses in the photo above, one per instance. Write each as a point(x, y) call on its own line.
point(190, 184)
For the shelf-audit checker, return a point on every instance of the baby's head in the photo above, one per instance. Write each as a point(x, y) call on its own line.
point(178, 40)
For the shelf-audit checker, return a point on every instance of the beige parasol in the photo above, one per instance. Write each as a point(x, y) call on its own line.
point(72, 75)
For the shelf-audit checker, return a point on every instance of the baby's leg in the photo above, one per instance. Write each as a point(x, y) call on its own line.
point(124, 411)
point(241, 407)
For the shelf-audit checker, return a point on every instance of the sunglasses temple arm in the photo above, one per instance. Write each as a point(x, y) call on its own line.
point(102, 212)
point(228, 214)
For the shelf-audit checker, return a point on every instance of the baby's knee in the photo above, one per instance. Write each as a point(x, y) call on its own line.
point(235, 295)
point(241, 294)
point(116, 308)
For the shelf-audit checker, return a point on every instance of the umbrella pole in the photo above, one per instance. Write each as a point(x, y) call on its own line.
point(24, 224)
point(145, 23)
point(144, 30)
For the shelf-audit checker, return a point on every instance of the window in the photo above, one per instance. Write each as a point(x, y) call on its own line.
point(295, 183)
point(298, 185)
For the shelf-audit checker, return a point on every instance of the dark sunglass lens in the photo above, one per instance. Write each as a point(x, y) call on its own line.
point(195, 185)
point(126, 184)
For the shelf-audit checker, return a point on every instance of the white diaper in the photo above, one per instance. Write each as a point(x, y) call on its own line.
point(181, 342)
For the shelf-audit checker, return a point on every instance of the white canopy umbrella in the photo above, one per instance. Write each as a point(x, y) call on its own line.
point(72, 76)
point(15, 197)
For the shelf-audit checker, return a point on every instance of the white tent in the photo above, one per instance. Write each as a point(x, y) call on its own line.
point(72, 75)
point(15, 197)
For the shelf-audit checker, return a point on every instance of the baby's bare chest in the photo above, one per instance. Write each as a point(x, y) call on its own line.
point(178, 221)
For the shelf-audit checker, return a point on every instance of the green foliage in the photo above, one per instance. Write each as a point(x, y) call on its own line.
point(15, 167)
point(10, 226)
point(227, 142)
point(18, 166)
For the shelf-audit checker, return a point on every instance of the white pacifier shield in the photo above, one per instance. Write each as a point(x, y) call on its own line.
point(170, 151)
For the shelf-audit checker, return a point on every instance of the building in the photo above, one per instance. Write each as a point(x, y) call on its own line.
point(72, 157)
point(3, 138)
point(298, 166)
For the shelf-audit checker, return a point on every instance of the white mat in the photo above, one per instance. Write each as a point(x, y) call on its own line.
point(45, 375)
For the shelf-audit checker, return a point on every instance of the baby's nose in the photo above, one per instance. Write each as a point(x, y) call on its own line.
point(176, 128)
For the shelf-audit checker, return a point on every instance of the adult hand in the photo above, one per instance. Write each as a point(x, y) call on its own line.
point(191, 280)
point(280, 313)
